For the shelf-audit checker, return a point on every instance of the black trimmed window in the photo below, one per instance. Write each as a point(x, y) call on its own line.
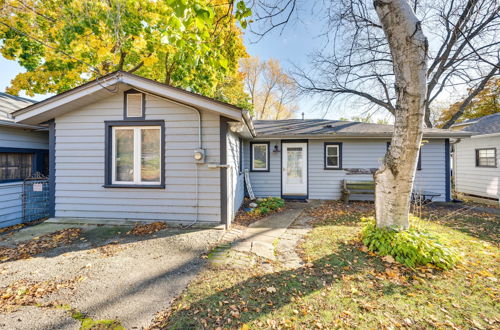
point(259, 156)
point(135, 154)
point(333, 155)
point(486, 157)
point(133, 105)
point(17, 164)
point(419, 162)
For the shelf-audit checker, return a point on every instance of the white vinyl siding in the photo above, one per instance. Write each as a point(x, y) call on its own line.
point(265, 184)
point(235, 181)
point(80, 166)
point(356, 153)
point(23, 138)
point(473, 180)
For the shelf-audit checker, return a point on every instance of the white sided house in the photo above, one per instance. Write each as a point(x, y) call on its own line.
point(476, 161)
point(126, 147)
point(23, 152)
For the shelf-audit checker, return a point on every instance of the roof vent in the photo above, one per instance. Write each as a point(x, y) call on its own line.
point(329, 126)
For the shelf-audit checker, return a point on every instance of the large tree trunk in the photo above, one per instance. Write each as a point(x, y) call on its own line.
point(394, 179)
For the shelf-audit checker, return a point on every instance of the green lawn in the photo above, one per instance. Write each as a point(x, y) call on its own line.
point(342, 285)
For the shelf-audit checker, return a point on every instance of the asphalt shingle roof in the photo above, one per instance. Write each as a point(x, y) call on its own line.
point(325, 127)
point(484, 125)
point(10, 103)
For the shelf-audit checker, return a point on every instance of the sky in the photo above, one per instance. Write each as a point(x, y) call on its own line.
point(291, 46)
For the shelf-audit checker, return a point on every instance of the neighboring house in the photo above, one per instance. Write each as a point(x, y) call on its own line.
point(126, 147)
point(476, 164)
point(23, 151)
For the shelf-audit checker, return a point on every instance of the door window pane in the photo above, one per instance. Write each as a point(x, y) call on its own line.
point(124, 141)
point(294, 166)
point(150, 155)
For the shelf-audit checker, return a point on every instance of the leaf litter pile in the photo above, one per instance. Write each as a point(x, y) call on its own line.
point(30, 293)
point(147, 229)
point(37, 245)
point(343, 285)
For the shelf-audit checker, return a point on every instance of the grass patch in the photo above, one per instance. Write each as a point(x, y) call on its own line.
point(88, 323)
point(345, 285)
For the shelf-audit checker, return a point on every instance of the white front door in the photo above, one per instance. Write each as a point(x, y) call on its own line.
point(294, 171)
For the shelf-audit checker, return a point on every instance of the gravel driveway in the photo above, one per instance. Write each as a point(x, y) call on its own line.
point(118, 276)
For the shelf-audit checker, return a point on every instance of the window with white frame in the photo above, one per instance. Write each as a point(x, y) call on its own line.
point(486, 157)
point(333, 156)
point(136, 155)
point(134, 105)
point(260, 156)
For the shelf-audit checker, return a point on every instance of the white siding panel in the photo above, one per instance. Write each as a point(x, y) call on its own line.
point(356, 153)
point(21, 138)
point(469, 179)
point(235, 188)
point(80, 157)
point(11, 211)
point(265, 184)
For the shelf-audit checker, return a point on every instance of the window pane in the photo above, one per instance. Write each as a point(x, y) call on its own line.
point(124, 141)
point(15, 166)
point(332, 150)
point(332, 161)
point(294, 166)
point(150, 155)
point(260, 156)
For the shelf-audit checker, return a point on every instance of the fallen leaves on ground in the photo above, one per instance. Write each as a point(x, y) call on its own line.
point(30, 293)
point(147, 229)
point(37, 245)
point(110, 249)
point(343, 285)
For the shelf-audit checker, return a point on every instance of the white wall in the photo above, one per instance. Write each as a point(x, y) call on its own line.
point(22, 138)
point(235, 189)
point(80, 166)
point(356, 153)
point(469, 179)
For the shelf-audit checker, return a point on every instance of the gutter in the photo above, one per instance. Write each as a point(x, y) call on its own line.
point(478, 136)
point(353, 136)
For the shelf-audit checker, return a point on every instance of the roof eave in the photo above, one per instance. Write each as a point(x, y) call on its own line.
point(27, 114)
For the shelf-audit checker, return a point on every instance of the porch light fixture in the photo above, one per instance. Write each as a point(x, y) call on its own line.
point(276, 148)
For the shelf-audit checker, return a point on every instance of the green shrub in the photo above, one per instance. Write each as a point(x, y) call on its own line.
point(411, 247)
point(271, 203)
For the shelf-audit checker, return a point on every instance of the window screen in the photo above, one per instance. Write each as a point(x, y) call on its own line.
point(15, 166)
point(134, 105)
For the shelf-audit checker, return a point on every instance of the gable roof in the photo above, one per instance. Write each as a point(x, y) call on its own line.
point(329, 128)
point(10, 103)
point(117, 82)
point(484, 125)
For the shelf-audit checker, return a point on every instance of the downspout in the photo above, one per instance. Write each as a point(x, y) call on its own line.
point(200, 146)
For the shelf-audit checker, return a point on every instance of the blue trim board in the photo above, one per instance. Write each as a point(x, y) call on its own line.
point(447, 163)
point(52, 168)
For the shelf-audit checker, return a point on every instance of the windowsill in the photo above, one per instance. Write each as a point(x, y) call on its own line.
point(259, 170)
point(333, 168)
point(486, 166)
point(136, 186)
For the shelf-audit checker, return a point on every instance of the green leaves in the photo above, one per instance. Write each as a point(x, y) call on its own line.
point(409, 247)
point(191, 44)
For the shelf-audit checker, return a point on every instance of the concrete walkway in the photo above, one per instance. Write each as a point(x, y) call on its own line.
point(273, 238)
point(262, 237)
